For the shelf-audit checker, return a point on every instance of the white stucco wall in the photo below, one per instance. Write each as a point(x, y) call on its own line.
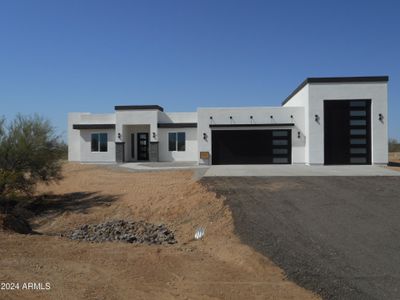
point(177, 117)
point(136, 117)
point(190, 154)
point(377, 92)
point(74, 140)
point(79, 140)
point(301, 99)
point(85, 146)
point(261, 115)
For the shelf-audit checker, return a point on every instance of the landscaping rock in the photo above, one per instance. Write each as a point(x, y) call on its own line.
point(124, 231)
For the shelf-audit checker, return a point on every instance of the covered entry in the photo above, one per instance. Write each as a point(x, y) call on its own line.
point(251, 146)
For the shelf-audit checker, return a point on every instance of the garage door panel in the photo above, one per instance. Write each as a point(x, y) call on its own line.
point(251, 146)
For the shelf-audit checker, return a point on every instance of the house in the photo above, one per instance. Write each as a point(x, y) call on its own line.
point(331, 121)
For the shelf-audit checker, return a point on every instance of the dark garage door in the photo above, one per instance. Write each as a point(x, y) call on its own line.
point(251, 147)
point(347, 132)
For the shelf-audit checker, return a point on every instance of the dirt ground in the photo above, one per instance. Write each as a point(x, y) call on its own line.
point(218, 267)
point(394, 161)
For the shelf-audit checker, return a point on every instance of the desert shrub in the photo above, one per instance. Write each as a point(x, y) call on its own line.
point(30, 152)
point(394, 145)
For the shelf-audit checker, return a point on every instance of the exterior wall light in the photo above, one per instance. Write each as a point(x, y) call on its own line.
point(317, 118)
point(205, 136)
point(298, 134)
point(251, 117)
point(381, 117)
point(154, 135)
point(119, 135)
point(291, 116)
point(230, 117)
point(211, 117)
point(271, 116)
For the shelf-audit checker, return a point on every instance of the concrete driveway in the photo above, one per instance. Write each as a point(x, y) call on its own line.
point(298, 170)
point(338, 236)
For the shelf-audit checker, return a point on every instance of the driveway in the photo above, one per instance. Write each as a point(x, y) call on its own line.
point(298, 170)
point(338, 236)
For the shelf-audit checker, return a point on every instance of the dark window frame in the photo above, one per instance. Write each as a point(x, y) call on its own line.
point(99, 144)
point(177, 141)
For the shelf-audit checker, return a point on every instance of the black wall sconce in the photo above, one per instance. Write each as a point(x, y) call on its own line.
point(230, 117)
point(251, 117)
point(154, 135)
point(119, 135)
point(205, 136)
point(271, 116)
point(317, 118)
point(298, 134)
point(291, 116)
point(211, 117)
point(381, 117)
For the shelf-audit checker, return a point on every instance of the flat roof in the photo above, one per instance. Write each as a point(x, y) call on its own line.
point(139, 107)
point(93, 126)
point(336, 80)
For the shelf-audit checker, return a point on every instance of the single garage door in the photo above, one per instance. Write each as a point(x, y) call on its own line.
point(347, 132)
point(251, 147)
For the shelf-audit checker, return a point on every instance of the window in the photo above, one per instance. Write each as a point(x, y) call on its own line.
point(99, 142)
point(176, 141)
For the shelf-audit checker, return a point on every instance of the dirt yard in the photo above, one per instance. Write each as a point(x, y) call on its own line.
point(394, 161)
point(218, 267)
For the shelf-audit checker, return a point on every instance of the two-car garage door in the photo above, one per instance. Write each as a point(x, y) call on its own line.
point(251, 147)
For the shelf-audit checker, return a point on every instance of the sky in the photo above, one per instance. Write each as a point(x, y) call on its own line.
point(88, 56)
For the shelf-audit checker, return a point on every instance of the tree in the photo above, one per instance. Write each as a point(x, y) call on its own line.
point(394, 145)
point(30, 152)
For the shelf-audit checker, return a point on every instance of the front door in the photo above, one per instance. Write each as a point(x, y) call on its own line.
point(143, 146)
point(347, 132)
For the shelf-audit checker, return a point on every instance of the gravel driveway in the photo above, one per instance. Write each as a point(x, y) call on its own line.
point(338, 236)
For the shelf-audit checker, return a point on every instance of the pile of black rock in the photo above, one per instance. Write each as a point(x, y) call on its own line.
point(124, 231)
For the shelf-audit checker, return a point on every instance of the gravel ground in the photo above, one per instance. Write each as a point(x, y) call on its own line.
point(338, 236)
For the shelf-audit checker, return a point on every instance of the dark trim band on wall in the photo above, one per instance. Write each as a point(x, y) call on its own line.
point(93, 126)
point(253, 125)
point(336, 80)
point(139, 107)
point(177, 125)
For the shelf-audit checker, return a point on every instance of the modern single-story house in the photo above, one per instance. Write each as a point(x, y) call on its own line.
point(331, 121)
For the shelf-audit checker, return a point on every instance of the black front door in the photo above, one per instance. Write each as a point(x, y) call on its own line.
point(143, 146)
point(347, 132)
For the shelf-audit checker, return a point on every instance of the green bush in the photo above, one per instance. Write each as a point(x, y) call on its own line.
point(394, 145)
point(30, 152)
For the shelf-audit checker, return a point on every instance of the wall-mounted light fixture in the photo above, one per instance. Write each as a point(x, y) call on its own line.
point(298, 134)
point(154, 135)
point(271, 116)
point(291, 116)
point(317, 118)
point(204, 136)
point(251, 117)
point(230, 117)
point(381, 117)
point(119, 135)
point(211, 117)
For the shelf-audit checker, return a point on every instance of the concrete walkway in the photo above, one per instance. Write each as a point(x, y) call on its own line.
point(298, 170)
point(160, 166)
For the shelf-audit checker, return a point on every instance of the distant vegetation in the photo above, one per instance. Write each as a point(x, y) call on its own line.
point(394, 145)
point(30, 152)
